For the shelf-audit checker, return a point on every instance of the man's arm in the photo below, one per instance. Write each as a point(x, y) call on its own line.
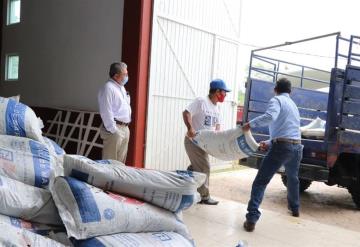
point(106, 113)
point(188, 122)
point(271, 114)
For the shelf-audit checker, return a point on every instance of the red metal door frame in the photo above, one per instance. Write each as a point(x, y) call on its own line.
point(2, 21)
point(136, 54)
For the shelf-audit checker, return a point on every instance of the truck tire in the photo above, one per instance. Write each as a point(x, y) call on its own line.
point(304, 183)
point(355, 194)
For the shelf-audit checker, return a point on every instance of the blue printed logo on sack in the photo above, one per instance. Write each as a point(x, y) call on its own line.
point(41, 160)
point(163, 237)
point(187, 175)
point(88, 208)
point(109, 214)
point(107, 162)
point(186, 202)
point(15, 222)
point(6, 155)
point(15, 118)
point(244, 147)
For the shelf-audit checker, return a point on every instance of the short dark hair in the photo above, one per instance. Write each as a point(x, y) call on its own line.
point(213, 90)
point(116, 68)
point(283, 85)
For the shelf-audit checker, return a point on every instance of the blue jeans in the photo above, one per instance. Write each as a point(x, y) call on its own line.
point(280, 154)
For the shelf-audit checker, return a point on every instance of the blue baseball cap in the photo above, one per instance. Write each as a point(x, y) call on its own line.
point(219, 84)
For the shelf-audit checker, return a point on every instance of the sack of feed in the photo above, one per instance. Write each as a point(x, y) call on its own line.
point(17, 119)
point(88, 212)
point(173, 191)
point(28, 161)
point(230, 144)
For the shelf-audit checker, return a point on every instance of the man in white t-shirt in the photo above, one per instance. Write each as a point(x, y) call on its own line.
point(203, 113)
point(115, 111)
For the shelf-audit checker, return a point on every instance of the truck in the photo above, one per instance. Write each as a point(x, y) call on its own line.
point(333, 158)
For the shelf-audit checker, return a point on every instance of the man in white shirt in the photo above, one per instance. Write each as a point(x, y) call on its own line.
point(203, 113)
point(115, 111)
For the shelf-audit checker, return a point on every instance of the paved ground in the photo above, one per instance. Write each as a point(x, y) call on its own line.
point(328, 216)
point(325, 204)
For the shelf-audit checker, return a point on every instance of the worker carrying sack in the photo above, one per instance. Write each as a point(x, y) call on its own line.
point(28, 161)
point(17, 119)
point(158, 239)
point(14, 236)
point(174, 191)
point(27, 202)
point(88, 212)
point(230, 144)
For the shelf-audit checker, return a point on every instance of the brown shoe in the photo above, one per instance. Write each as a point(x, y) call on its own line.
point(249, 226)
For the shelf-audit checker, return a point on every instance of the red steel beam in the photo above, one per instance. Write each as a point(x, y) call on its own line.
point(136, 54)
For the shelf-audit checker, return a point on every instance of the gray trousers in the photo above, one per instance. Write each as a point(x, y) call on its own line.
point(199, 160)
point(115, 145)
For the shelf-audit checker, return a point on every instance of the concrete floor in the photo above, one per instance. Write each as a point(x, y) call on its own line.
point(221, 225)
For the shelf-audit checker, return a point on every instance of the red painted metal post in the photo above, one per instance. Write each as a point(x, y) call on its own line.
point(2, 17)
point(136, 53)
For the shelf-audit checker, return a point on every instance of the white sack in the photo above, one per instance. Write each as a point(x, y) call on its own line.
point(317, 123)
point(15, 97)
point(315, 128)
point(16, 237)
point(53, 147)
point(89, 212)
point(230, 144)
point(174, 191)
point(37, 228)
point(27, 202)
point(154, 239)
point(28, 161)
point(60, 237)
point(17, 119)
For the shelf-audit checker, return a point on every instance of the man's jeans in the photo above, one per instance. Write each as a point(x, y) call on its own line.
point(280, 154)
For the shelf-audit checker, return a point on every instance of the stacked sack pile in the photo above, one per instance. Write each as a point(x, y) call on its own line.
point(28, 164)
point(105, 203)
point(49, 197)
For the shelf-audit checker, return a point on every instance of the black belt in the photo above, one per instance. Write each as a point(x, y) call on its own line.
point(121, 123)
point(292, 141)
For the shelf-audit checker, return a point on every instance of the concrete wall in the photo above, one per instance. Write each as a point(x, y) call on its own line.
point(65, 48)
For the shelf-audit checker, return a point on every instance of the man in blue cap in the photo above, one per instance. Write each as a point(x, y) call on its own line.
point(203, 113)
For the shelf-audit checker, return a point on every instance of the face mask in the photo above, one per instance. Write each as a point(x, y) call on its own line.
point(125, 80)
point(221, 97)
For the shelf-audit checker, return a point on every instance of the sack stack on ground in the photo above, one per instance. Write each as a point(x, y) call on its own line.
point(232, 144)
point(28, 214)
point(111, 204)
point(101, 202)
point(88, 212)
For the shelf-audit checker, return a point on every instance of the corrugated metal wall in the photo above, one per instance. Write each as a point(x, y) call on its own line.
point(193, 42)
